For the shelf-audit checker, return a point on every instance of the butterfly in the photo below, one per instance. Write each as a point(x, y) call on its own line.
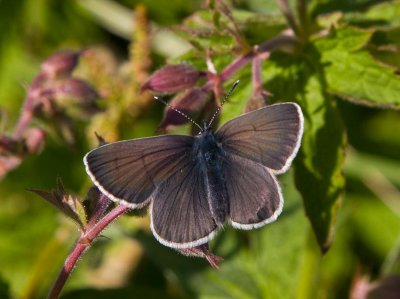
point(195, 184)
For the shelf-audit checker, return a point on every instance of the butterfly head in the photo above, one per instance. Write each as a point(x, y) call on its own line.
point(206, 127)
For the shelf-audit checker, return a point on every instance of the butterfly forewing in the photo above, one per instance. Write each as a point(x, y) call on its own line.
point(129, 171)
point(180, 212)
point(270, 135)
point(255, 197)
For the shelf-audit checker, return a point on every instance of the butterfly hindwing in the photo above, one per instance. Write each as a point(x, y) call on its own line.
point(255, 197)
point(180, 212)
point(270, 135)
point(129, 171)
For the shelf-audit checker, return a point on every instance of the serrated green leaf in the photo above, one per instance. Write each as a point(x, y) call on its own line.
point(352, 73)
point(258, 28)
point(386, 13)
point(319, 161)
point(219, 41)
point(319, 164)
point(347, 39)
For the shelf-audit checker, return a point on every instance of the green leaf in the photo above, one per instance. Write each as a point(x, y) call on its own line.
point(353, 74)
point(319, 161)
point(386, 13)
point(346, 39)
point(319, 164)
point(200, 32)
point(258, 28)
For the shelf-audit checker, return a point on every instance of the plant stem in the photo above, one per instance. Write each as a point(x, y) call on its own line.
point(287, 12)
point(24, 120)
point(82, 244)
point(266, 47)
point(256, 75)
point(303, 20)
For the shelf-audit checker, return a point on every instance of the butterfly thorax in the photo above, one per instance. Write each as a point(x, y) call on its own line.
point(210, 157)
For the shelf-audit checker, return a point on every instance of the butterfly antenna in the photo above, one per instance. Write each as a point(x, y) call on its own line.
point(223, 101)
point(180, 112)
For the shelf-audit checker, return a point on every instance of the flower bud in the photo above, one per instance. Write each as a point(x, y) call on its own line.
point(61, 64)
point(190, 103)
point(77, 96)
point(76, 90)
point(172, 78)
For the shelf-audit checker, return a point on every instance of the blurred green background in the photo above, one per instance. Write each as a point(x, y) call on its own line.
point(281, 260)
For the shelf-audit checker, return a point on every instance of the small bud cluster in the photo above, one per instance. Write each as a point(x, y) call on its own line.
point(181, 79)
point(55, 95)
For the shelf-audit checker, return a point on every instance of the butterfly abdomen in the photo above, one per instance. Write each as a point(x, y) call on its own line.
point(210, 156)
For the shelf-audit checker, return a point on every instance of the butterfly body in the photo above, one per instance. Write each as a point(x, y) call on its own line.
point(210, 157)
point(194, 184)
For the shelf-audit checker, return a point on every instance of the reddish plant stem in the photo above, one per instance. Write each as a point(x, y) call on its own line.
point(266, 47)
point(83, 243)
point(262, 52)
point(236, 65)
point(24, 120)
point(29, 105)
point(256, 75)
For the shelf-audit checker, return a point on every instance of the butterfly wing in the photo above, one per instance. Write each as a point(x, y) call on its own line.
point(270, 135)
point(180, 212)
point(129, 171)
point(255, 197)
point(258, 145)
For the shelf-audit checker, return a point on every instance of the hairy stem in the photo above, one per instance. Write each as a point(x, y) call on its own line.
point(82, 244)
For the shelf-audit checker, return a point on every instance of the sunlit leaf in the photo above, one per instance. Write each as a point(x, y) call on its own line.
point(386, 13)
point(352, 73)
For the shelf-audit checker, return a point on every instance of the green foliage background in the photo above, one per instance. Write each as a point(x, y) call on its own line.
point(341, 80)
